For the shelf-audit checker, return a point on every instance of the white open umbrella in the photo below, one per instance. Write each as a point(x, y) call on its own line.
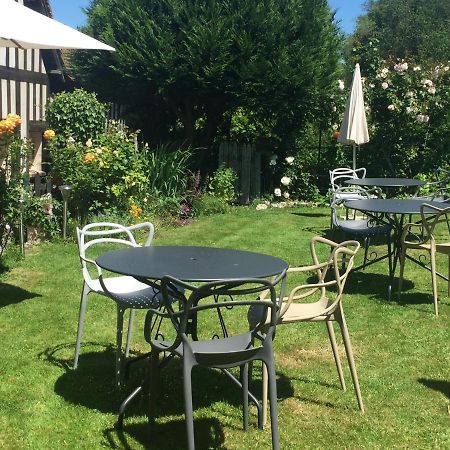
point(24, 28)
point(354, 125)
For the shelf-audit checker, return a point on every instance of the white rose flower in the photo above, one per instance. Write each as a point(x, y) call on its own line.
point(341, 85)
point(70, 140)
point(335, 126)
point(391, 107)
point(409, 109)
point(384, 85)
point(432, 90)
point(286, 195)
point(289, 159)
point(446, 68)
point(384, 70)
point(416, 68)
point(285, 181)
point(89, 143)
point(277, 192)
point(371, 85)
point(261, 206)
point(404, 66)
point(427, 83)
point(422, 118)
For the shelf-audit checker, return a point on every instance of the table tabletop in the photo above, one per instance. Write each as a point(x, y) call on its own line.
point(189, 263)
point(393, 206)
point(386, 182)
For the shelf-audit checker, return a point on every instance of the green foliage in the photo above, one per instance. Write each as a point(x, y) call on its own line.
point(167, 170)
point(184, 66)
point(221, 184)
point(78, 114)
point(407, 28)
point(43, 213)
point(208, 205)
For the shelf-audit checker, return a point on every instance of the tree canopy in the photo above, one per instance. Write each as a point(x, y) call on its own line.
point(183, 66)
point(407, 28)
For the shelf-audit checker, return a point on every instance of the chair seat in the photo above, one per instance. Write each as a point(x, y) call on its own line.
point(296, 312)
point(440, 248)
point(362, 227)
point(129, 292)
point(349, 196)
point(219, 353)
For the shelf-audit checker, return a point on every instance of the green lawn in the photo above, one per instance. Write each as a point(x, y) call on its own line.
point(401, 349)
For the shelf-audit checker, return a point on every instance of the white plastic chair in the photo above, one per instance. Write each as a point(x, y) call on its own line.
point(341, 174)
point(130, 293)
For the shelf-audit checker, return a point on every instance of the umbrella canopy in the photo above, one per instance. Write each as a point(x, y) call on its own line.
point(354, 125)
point(24, 28)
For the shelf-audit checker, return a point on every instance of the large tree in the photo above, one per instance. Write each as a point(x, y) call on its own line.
point(184, 65)
point(407, 28)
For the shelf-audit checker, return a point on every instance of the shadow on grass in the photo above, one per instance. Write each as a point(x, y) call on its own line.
point(92, 384)
point(168, 436)
point(305, 214)
point(11, 295)
point(437, 385)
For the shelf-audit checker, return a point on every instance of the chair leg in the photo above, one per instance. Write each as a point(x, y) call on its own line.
point(83, 304)
point(366, 251)
point(339, 315)
point(337, 360)
point(448, 282)
point(433, 279)
point(130, 332)
point(264, 393)
point(154, 385)
point(402, 269)
point(273, 402)
point(244, 376)
point(119, 353)
point(188, 409)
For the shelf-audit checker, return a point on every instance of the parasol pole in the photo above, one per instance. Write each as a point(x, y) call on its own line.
point(354, 156)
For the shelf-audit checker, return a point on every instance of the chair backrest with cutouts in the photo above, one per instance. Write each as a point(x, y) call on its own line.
point(341, 174)
point(103, 233)
point(432, 216)
point(228, 301)
point(332, 272)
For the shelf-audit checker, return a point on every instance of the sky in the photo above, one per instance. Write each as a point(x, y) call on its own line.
point(70, 12)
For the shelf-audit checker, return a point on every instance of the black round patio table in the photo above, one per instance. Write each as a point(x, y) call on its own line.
point(393, 212)
point(190, 263)
point(389, 185)
point(386, 182)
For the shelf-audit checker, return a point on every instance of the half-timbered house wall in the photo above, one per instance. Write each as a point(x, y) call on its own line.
point(24, 88)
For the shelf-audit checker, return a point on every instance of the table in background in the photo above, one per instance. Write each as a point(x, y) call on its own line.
point(392, 212)
point(387, 183)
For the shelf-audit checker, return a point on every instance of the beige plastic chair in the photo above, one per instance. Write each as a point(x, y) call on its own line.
point(326, 308)
point(425, 238)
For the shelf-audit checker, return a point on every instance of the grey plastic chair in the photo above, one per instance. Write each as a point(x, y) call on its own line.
point(223, 351)
point(320, 302)
point(129, 293)
point(422, 236)
point(359, 228)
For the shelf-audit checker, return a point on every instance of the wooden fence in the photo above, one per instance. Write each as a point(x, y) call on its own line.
point(246, 161)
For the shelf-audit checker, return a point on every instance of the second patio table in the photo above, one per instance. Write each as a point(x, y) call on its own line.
point(391, 212)
point(387, 183)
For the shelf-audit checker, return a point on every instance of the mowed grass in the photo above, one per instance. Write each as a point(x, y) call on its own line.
point(401, 349)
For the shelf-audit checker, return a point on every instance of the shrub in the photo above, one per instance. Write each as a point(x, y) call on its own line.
point(43, 213)
point(222, 184)
point(78, 114)
point(208, 205)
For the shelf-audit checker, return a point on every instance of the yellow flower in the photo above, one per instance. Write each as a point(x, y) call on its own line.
point(49, 134)
point(135, 211)
point(14, 118)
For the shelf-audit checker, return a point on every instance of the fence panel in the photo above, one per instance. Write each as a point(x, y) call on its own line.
point(245, 160)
